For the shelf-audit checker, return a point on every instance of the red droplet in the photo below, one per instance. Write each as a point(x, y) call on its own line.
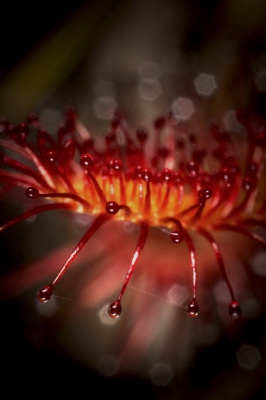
point(51, 156)
point(112, 207)
point(234, 310)
point(45, 293)
point(192, 168)
point(32, 193)
point(193, 308)
point(115, 165)
point(86, 161)
point(178, 178)
point(146, 174)
point(22, 131)
point(167, 175)
point(204, 194)
point(115, 309)
point(249, 183)
point(176, 237)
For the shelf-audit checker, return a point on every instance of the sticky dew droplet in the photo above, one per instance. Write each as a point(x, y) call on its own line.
point(193, 308)
point(234, 310)
point(112, 207)
point(115, 309)
point(176, 237)
point(32, 193)
point(45, 293)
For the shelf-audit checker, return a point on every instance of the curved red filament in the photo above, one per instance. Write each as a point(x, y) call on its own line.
point(71, 196)
point(193, 307)
point(97, 223)
point(144, 230)
point(234, 308)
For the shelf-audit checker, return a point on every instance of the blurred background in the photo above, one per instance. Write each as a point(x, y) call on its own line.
point(204, 59)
